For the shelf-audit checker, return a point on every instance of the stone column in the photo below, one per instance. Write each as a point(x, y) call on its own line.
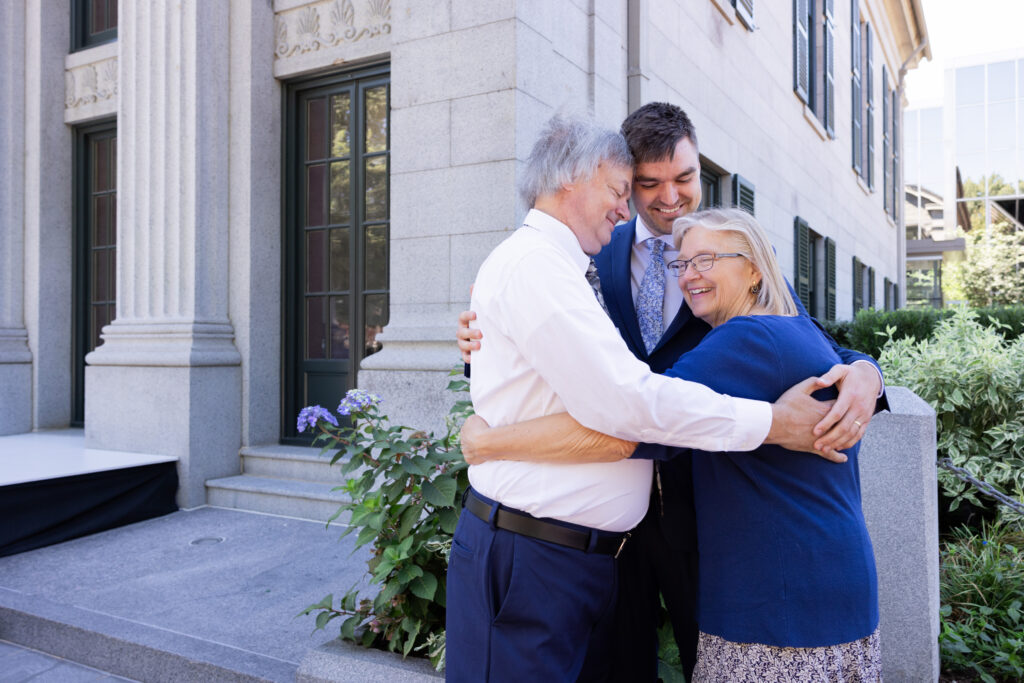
point(15, 357)
point(900, 500)
point(167, 379)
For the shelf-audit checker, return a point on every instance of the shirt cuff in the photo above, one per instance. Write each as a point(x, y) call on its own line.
point(881, 380)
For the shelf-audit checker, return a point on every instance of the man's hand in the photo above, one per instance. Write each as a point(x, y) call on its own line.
point(794, 416)
point(846, 422)
point(469, 339)
point(473, 427)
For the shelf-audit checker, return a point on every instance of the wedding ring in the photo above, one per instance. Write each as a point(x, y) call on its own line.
point(857, 422)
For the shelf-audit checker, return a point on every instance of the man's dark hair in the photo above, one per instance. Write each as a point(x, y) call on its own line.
point(654, 130)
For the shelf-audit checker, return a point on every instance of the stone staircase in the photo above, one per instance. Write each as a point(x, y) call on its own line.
point(293, 481)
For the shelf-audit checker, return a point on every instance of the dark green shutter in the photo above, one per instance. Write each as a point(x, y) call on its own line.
point(869, 124)
point(896, 191)
point(886, 143)
point(743, 193)
point(895, 297)
point(856, 97)
point(802, 261)
point(888, 294)
point(830, 279)
point(858, 285)
point(801, 50)
point(829, 115)
point(871, 288)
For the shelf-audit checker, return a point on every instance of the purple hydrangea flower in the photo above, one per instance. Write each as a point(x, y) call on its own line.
point(357, 400)
point(309, 416)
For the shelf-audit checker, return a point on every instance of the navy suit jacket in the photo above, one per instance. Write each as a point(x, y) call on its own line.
point(682, 334)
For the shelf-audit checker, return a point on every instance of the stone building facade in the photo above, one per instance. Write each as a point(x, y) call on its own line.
point(207, 203)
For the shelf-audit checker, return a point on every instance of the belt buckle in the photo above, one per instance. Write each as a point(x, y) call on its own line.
point(625, 537)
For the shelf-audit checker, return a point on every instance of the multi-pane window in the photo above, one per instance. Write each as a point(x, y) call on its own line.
point(337, 234)
point(989, 146)
point(93, 22)
point(745, 12)
point(710, 184)
point(95, 275)
point(814, 58)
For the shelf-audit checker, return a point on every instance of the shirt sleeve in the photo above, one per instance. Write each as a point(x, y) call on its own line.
point(848, 356)
point(550, 312)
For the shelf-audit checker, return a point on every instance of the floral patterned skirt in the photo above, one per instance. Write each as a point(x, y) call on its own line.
point(722, 661)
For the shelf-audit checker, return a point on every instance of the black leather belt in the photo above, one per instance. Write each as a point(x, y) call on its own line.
point(520, 523)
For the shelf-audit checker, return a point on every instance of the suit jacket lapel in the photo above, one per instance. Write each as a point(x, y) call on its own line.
point(682, 317)
point(621, 289)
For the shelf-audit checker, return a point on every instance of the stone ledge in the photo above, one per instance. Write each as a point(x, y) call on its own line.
point(337, 661)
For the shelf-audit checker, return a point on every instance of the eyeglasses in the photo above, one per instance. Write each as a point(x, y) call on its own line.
point(700, 262)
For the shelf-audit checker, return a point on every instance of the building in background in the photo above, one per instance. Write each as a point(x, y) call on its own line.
point(965, 166)
point(207, 205)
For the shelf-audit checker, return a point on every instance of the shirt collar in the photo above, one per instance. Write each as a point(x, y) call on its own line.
point(643, 233)
point(559, 233)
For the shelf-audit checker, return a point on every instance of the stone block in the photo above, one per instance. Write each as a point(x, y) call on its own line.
point(414, 397)
point(897, 467)
point(191, 413)
point(470, 13)
point(341, 661)
point(415, 267)
point(484, 127)
point(452, 201)
point(453, 65)
point(16, 398)
point(421, 137)
point(414, 19)
point(467, 253)
point(547, 75)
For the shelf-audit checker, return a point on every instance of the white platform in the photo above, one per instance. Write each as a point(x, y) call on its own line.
point(61, 453)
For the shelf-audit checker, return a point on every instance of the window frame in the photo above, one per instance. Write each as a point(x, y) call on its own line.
point(81, 38)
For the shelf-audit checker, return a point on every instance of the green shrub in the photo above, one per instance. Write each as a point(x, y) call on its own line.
point(974, 379)
point(405, 496)
point(867, 332)
point(982, 591)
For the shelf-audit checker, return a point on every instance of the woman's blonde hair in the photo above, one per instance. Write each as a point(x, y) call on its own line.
point(752, 242)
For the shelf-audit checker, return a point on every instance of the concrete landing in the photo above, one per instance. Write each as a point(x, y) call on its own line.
point(207, 594)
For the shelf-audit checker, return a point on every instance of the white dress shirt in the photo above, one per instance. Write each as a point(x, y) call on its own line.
point(638, 260)
point(550, 348)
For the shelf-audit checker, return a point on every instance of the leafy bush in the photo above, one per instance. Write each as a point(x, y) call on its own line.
point(405, 494)
point(867, 332)
point(974, 379)
point(982, 590)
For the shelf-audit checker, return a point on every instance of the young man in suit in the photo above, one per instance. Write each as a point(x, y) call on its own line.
point(648, 310)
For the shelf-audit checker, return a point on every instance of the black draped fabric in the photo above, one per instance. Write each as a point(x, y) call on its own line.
point(40, 513)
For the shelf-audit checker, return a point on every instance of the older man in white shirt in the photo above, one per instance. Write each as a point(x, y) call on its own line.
point(532, 567)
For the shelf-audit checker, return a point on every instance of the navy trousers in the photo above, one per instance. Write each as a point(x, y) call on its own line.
point(519, 609)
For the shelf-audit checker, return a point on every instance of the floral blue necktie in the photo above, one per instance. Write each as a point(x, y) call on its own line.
point(650, 300)
point(595, 284)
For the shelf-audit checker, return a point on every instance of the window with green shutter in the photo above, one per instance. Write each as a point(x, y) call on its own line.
point(830, 279)
point(888, 294)
point(887, 181)
point(743, 193)
point(856, 96)
point(869, 112)
point(858, 285)
point(829, 72)
point(802, 49)
point(871, 288)
point(802, 259)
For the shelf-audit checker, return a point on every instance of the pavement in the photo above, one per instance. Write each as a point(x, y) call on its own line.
point(206, 594)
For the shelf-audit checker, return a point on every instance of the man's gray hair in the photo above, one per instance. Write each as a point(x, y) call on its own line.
point(569, 149)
